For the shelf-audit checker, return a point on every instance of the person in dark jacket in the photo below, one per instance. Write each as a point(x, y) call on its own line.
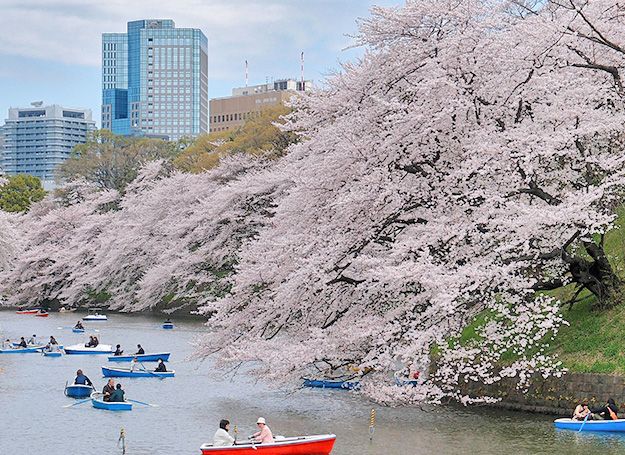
point(160, 368)
point(22, 343)
point(139, 350)
point(118, 350)
point(607, 412)
point(81, 379)
point(118, 395)
point(108, 390)
point(79, 326)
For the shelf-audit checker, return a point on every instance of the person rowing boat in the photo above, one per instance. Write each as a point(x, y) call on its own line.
point(108, 390)
point(140, 350)
point(161, 368)
point(81, 379)
point(79, 326)
point(118, 350)
point(264, 436)
point(22, 343)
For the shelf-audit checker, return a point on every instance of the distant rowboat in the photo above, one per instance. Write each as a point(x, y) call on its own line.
point(78, 390)
point(75, 330)
point(168, 325)
point(22, 350)
point(31, 311)
point(302, 445)
point(591, 425)
point(164, 356)
point(332, 384)
point(127, 373)
point(98, 403)
point(82, 349)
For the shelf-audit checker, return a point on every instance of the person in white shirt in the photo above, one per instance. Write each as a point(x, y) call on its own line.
point(222, 438)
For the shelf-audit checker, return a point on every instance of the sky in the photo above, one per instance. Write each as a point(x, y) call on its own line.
point(50, 49)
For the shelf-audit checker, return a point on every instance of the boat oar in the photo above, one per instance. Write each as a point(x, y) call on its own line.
point(141, 402)
point(78, 402)
point(152, 373)
point(584, 422)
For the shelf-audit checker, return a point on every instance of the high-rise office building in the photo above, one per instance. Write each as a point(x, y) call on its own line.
point(39, 138)
point(155, 80)
point(232, 111)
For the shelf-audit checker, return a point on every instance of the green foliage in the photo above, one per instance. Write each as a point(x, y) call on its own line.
point(257, 136)
point(111, 162)
point(19, 192)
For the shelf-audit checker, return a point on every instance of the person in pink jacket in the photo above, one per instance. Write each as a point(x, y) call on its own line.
point(264, 436)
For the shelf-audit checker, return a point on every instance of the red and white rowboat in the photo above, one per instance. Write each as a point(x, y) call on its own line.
point(35, 311)
point(301, 445)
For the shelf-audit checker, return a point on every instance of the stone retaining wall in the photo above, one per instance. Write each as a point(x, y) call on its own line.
point(556, 396)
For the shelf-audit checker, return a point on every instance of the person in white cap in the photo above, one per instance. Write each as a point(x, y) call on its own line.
point(264, 436)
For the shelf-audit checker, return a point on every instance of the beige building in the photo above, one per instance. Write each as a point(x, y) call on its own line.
point(232, 111)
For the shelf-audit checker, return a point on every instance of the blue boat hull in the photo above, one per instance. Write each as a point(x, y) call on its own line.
point(20, 351)
point(78, 330)
point(117, 373)
point(591, 425)
point(111, 406)
point(52, 354)
point(78, 391)
point(141, 357)
point(329, 384)
point(168, 326)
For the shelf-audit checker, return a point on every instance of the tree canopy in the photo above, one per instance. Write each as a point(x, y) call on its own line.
point(19, 192)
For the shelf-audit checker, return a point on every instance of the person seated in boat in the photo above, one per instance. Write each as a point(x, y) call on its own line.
point(89, 344)
point(22, 343)
point(222, 438)
point(161, 368)
point(52, 345)
point(264, 436)
point(33, 340)
point(140, 350)
point(607, 412)
point(134, 365)
point(79, 326)
point(118, 395)
point(96, 342)
point(7, 344)
point(81, 379)
point(118, 350)
point(108, 389)
point(581, 411)
point(168, 321)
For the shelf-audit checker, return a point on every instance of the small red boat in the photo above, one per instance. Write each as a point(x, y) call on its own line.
point(302, 445)
point(33, 311)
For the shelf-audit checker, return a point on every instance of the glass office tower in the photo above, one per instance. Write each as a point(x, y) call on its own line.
point(155, 80)
point(39, 138)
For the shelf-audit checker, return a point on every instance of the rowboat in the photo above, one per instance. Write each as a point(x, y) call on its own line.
point(82, 349)
point(590, 425)
point(168, 325)
point(164, 356)
point(30, 345)
point(31, 311)
point(75, 330)
point(301, 445)
point(52, 353)
point(126, 373)
point(98, 403)
point(332, 384)
point(21, 350)
point(403, 381)
point(78, 390)
point(94, 315)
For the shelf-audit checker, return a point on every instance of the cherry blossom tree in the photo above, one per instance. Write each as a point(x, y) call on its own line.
point(469, 161)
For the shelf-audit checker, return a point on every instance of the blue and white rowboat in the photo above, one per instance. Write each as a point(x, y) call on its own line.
point(126, 373)
point(75, 330)
point(82, 349)
point(591, 425)
point(22, 350)
point(164, 356)
point(168, 325)
point(78, 391)
point(98, 403)
point(331, 384)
